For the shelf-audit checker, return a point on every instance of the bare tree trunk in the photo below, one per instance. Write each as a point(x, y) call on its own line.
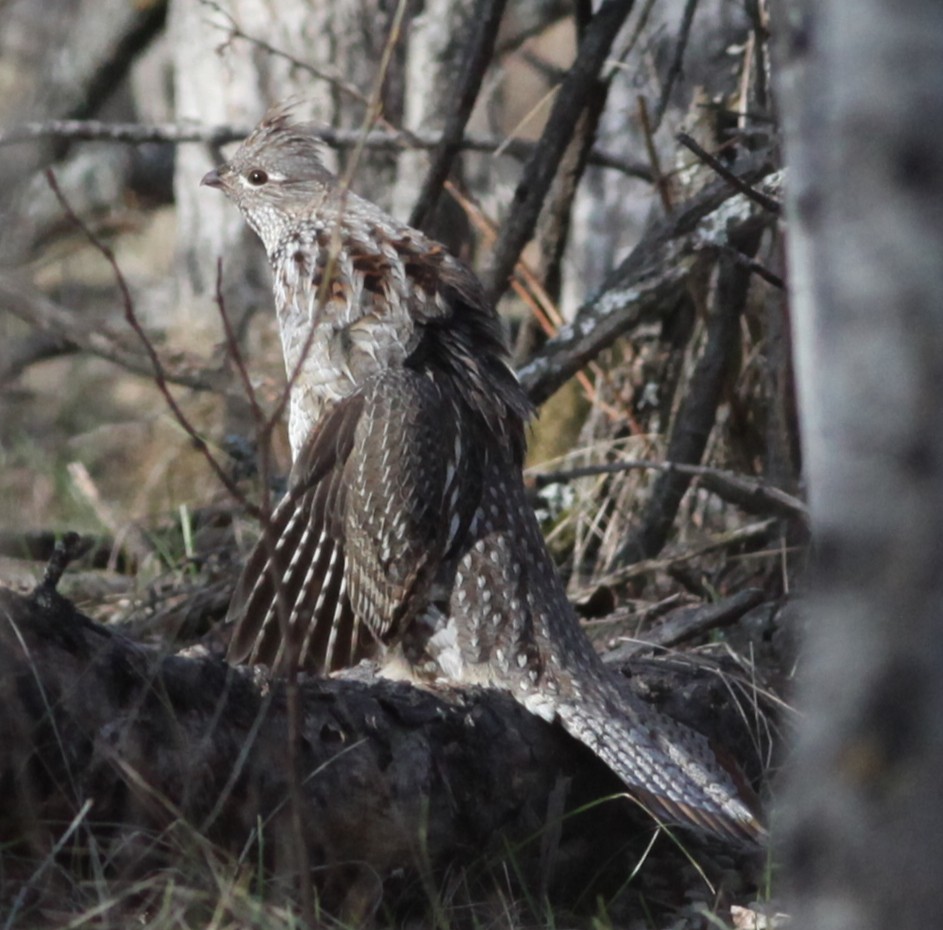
point(235, 84)
point(862, 102)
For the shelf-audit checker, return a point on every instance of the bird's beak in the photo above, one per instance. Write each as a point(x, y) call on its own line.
point(212, 179)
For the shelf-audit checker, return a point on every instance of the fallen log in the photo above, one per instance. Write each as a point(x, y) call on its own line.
point(395, 782)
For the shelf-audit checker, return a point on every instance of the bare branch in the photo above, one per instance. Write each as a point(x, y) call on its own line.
point(33, 348)
point(553, 228)
point(233, 350)
point(648, 133)
point(263, 425)
point(759, 269)
point(127, 535)
point(767, 203)
point(382, 140)
point(478, 52)
point(541, 168)
point(646, 286)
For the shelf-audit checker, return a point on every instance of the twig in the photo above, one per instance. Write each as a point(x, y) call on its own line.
point(263, 425)
point(550, 72)
point(539, 172)
point(751, 264)
point(583, 15)
point(33, 348)
point(553, 228)
point(674, 70)
point(661, 182)
point(478, 52)
point(761, 35)
point(232, 347)
point(687, 622)
point(235, 31)
point(767, 203)
point(160, 378)
point(91, 130)
point(536, 109)
point(528, 30)
point(742, 109)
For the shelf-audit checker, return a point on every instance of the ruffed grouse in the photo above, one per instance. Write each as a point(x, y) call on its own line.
point(406, 522)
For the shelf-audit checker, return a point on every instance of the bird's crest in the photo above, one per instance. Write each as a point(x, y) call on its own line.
point(280, 128)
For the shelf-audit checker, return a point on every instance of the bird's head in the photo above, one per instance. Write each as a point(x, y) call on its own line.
point(275, 175)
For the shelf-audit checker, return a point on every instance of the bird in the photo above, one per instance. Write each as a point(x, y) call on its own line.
point(406, 535)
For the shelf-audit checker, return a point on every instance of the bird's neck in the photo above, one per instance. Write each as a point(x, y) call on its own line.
point(358, 293)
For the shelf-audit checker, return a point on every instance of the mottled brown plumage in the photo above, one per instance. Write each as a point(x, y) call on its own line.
point(407, 528)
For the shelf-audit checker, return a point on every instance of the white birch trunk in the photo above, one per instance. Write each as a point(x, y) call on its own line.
point(862, 100)
point(219, 81)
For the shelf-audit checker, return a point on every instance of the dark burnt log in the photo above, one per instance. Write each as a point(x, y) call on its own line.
point(401, 781)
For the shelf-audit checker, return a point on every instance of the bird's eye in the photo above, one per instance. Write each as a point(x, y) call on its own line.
point(257, 177)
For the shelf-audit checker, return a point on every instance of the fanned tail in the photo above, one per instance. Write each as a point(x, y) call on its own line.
point(671, 770)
